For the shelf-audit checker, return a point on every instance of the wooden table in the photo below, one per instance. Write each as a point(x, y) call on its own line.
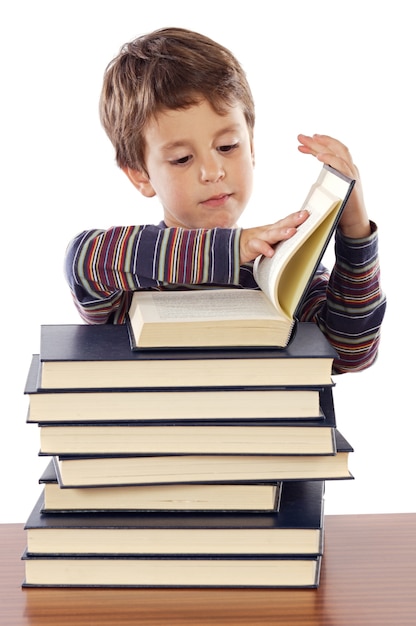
point(368, 577)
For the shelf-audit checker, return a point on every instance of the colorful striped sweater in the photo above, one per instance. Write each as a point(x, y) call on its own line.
point(104, 267)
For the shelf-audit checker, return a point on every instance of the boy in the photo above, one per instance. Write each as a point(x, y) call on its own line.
point(180, 114)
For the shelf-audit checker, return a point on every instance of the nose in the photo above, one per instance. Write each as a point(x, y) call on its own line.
point(212, 169)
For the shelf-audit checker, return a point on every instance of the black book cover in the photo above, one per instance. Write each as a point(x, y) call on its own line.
point(110, 342)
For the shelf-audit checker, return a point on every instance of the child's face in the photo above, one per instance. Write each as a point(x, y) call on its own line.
point(200, 165)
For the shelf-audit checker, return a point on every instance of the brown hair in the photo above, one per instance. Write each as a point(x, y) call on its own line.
point(170, 68)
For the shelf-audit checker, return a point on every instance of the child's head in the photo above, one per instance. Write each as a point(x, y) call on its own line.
point(168, 69)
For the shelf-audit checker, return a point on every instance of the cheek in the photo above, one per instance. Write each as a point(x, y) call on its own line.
point(167, 184)
point(246, 173)
point(174, 194)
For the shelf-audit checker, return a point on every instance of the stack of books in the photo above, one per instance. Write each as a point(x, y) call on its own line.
point(190, 447)
point(180, 467)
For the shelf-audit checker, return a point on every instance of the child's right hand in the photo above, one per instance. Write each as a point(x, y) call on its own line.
point(261, 239)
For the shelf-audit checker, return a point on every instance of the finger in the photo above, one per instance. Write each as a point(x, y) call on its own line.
point(330, 151)
point(274, 235)
point(310, 143)
point(265, 245)
point(317, 144)
point(290, 221)
point(305, 144)
point(284, 229)
point(332, 145)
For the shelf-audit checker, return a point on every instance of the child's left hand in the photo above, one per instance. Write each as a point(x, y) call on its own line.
point(354, 221)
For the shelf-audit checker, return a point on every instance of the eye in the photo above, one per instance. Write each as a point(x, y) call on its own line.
point(182, 161)
point(228, 148)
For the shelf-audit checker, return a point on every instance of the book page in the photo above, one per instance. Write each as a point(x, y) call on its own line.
point(267, 270)
point(323, 202)
point(300, 267)
point(210, 304)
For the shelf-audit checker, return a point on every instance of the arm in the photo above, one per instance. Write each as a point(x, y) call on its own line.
point(104, 267)
point(349, 305)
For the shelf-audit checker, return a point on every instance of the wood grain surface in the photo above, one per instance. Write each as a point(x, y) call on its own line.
point(368, 578)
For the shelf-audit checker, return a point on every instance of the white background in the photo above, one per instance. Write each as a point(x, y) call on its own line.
point(345, 69)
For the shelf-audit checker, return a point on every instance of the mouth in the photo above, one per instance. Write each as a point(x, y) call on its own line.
point(216, 201)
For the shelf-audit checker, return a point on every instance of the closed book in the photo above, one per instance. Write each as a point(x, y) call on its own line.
point(176, 572)
point(80, 356)
point(104, 470)
point(296, 529)
point(252, 437)
point(137, 404)
point(173, 497)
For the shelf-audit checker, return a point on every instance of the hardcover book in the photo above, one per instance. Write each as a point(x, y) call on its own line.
point(174, 497)
point(251, 438)
point(105, 470)
point(193, 437)
point(79, 356)
point(161, 571)
point(174, 404)
point(296, 529)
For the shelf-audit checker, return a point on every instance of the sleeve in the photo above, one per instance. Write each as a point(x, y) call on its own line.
point(349, 304)
point(104, 267)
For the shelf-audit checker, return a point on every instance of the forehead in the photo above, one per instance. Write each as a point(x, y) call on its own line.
point(173, 126)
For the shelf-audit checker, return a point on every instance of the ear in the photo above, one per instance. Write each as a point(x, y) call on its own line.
point(141, 181)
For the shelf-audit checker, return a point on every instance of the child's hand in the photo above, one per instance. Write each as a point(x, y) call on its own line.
point(354, 222)
point(260, 240)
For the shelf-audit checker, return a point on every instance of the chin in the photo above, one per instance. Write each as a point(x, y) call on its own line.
point(223, 224)
point(222, 221)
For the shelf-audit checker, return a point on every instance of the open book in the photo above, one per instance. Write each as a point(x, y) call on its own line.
point(241, 317)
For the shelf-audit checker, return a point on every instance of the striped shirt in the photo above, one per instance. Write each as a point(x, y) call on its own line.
point(104, 267)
